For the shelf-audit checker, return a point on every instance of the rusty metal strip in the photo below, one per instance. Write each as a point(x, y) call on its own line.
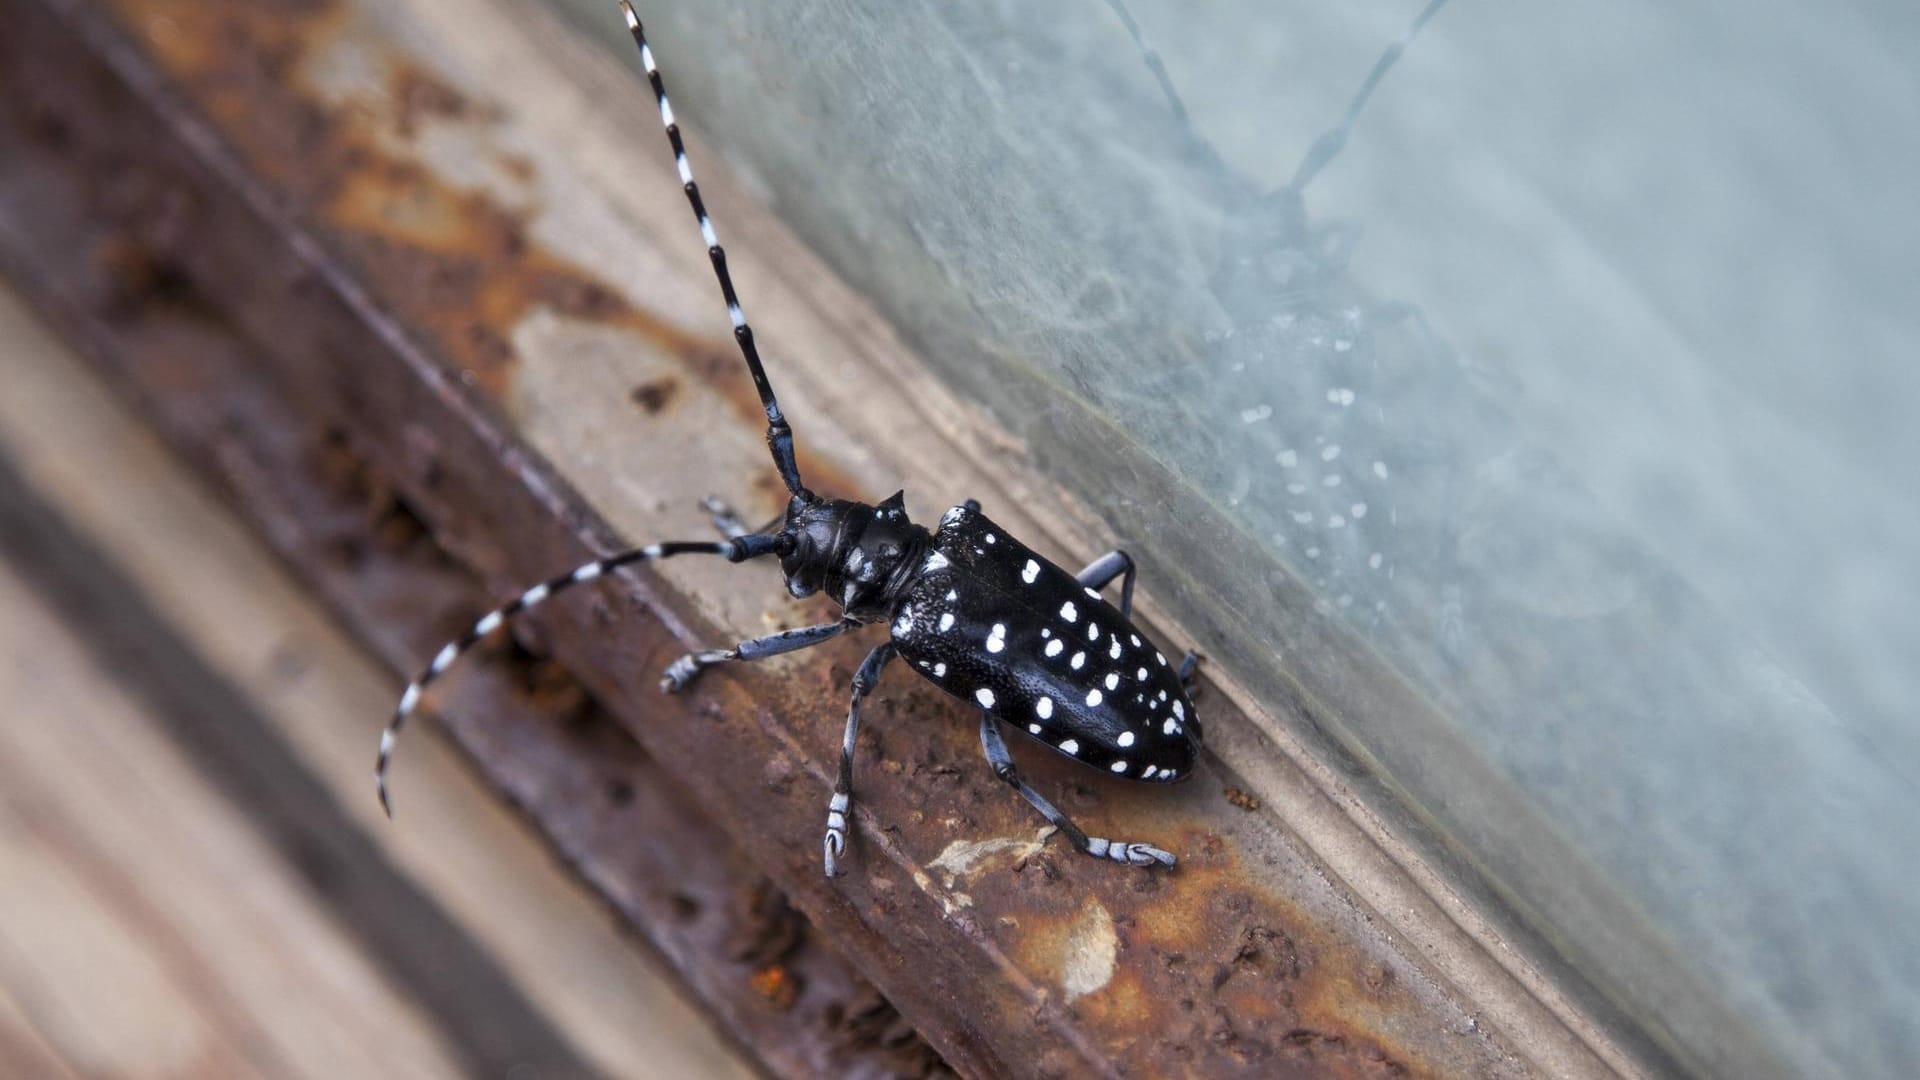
point(610, 812)
point(176, 158)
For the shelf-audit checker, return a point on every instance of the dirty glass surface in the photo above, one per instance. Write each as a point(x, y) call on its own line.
point(1554, 443)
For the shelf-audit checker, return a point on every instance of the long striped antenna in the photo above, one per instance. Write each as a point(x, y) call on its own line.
point(779, 435)
point(1334, 139)
point(1330, 143)
point(734, 550)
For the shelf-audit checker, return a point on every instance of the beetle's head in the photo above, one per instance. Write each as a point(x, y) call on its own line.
point(860, 555)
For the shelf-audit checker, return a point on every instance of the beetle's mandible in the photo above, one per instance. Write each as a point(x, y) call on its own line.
point(971, 609)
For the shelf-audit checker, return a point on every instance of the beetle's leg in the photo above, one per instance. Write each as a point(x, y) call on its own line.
point(1098, 847)
point(682, 671)
point(728, 521)
point(1188, 665)
point(736, 549)
point(1101, 572)
point(864, 680)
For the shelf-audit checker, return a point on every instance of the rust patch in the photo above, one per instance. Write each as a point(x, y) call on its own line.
point(655, 394)
point(448, 259)
point(1241, 799)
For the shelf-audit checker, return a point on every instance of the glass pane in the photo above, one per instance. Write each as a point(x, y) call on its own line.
point(1552, 442)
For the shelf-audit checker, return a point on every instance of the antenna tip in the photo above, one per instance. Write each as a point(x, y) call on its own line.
point(633, 20)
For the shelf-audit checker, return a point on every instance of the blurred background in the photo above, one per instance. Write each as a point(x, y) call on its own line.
point(1543, 443)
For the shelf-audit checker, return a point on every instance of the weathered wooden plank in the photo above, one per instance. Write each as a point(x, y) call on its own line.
point(232, 602)
point(442, 322)
point(147, 925)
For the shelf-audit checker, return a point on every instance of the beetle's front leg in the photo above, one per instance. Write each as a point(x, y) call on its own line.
point(864, 680)
point(682, 671)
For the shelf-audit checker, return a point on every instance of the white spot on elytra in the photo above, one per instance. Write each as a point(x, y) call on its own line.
point(1069, 746)
point(991, 539)
point(1044, 707)
point(1179, 710)
point(1332, 481)
point(1126, 738)
point(1330, 452)
point(1119, 765)
point(1055, 647)
point(1256, 414)
point(1079, 659)
point(1093, 698)
point(1113, 649)
point(1069, 612)
point(1296, 488)
point(984, 696)
point(1033, 729)
point(1374, 560)
point(1093, 631)
point(1170, 726)
point(1341, 396)
point(940, 671)
point(1141, 674)
point(1287, 459)
point(1135, 638)
point(1031, 571)
point(1302, 517)
point(1092, 593)
point(1162, 657)
point(1358, 510)
point(997, 637)
point(1380, 469)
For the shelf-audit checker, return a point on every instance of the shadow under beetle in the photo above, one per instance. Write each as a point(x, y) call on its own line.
point(970, 608)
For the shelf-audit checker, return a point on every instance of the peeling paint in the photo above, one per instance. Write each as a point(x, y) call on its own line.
point(1089, 952)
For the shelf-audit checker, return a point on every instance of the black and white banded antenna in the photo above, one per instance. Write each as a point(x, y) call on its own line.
point(779, 435)
point(1330, 143)
point(736, 549)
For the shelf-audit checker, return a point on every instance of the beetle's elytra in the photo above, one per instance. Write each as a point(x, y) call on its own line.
point(970, 609)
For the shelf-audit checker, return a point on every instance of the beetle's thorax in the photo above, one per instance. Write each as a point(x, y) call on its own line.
point(863, 556)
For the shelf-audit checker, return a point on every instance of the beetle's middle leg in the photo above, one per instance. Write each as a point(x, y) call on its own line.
point(1096, 846)
point(1101, 572)
point(864, 681)
point(1118, 564)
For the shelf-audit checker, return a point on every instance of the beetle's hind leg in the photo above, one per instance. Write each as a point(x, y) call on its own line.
point(1096, 846)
